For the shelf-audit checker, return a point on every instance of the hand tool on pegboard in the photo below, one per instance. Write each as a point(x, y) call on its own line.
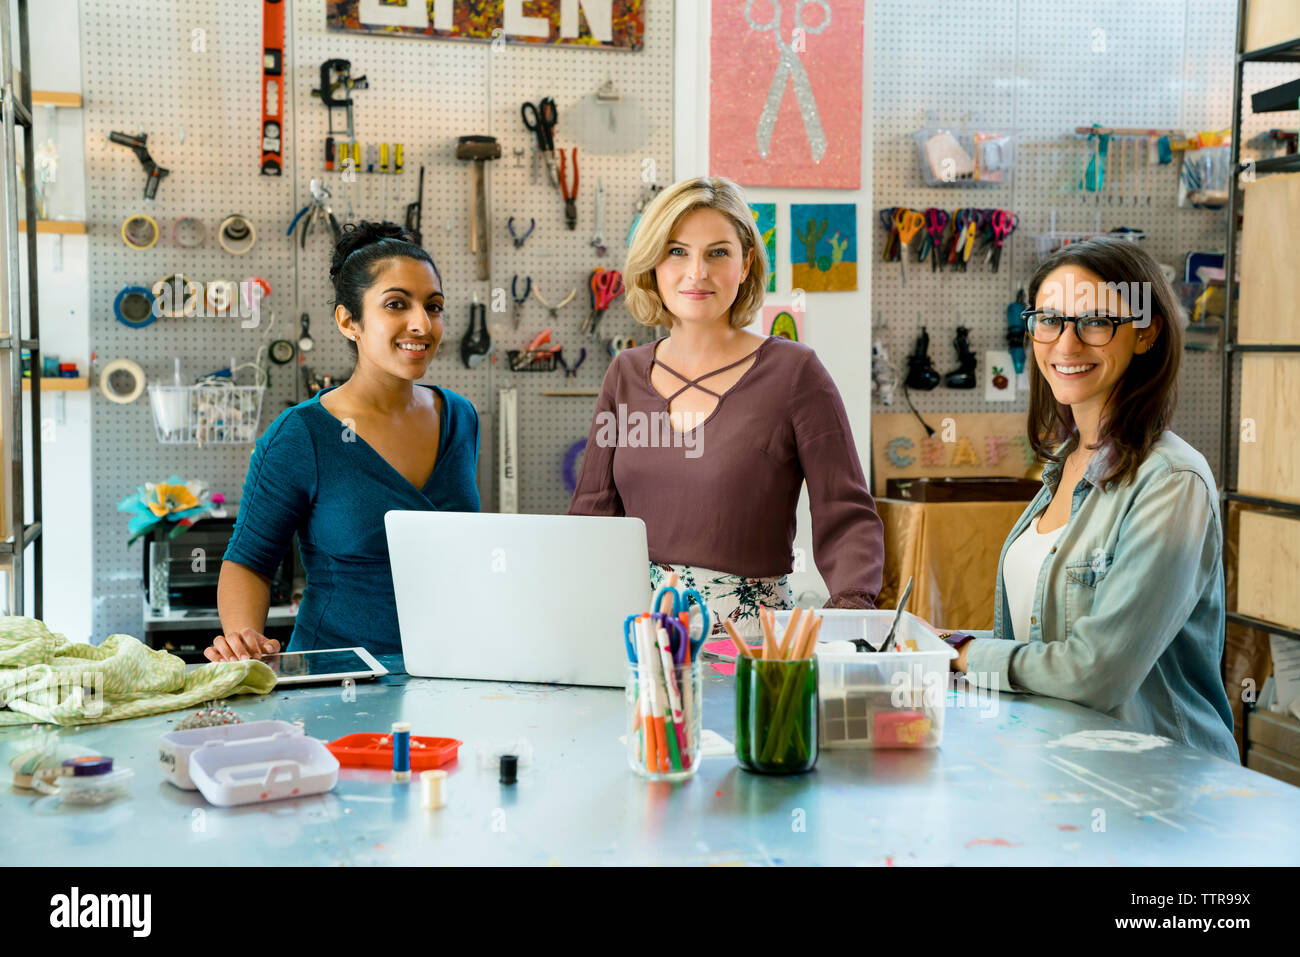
point(337, 75)
point(479, 150)
point(272, 87)
point(153, 172)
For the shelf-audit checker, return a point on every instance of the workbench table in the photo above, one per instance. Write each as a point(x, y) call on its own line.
point(1002, 789)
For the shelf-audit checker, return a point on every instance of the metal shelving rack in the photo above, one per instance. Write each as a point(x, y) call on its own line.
point(16, 110)
point(1288, 52)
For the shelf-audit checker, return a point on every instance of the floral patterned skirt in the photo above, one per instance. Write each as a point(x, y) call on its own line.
point(728, 596)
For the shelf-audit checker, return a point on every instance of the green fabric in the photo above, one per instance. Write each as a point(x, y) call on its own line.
point(46, 678)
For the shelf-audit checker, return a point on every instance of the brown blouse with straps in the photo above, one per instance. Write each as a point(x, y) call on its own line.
point(723, 494)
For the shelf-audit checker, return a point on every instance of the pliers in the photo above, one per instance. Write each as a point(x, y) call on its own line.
point(572, 373)
point(317, 210)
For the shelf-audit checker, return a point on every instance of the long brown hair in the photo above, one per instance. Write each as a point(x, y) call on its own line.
point(1142, 403)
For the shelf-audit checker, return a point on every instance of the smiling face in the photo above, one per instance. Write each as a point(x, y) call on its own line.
point(1083, 376)
point(401, 323)
point(702, 268)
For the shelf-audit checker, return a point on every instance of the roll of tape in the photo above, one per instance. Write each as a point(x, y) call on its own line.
point(173, 295)
point(137, 383)
point(188, 232)
point(252, 291)
point(618, 344)
point(236, 235)
point(221, 297)
point(139, 231)
point(133, 307)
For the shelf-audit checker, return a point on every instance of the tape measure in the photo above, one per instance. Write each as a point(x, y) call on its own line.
point(272, 86)
point(133, 307)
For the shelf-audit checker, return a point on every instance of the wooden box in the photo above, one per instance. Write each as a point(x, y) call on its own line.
point(1269, 434)
point(1270, 22)
point(1269, 301)
point(1268, 568)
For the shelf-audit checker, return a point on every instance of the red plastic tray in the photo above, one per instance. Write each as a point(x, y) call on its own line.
point(375, 750)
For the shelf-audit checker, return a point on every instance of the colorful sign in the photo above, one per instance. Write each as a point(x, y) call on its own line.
point(600, 24)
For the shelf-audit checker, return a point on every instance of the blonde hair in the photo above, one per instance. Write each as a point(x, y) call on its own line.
point(650, 245)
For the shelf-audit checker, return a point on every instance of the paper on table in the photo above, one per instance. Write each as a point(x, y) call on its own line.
point(725, 649)
point(1286, 670)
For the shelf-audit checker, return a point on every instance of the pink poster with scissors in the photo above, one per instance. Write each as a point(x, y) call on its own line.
point(786, 92)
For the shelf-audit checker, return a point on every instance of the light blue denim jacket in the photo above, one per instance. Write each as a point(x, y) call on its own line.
point(1128, 612)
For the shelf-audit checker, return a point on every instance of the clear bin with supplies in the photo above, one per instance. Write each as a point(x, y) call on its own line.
point(894, 699)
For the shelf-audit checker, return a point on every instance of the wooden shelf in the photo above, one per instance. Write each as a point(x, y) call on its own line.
point(56, 98)
point(61, 226)
point(57, 384)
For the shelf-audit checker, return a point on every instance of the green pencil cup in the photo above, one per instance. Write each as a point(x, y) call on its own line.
point(776, 715)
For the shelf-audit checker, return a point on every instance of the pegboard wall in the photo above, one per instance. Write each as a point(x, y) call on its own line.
point(196, 94)
point(1040, 68)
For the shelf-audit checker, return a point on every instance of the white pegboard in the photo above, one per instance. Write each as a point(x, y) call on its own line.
point(202, 74)
point(1042, 67)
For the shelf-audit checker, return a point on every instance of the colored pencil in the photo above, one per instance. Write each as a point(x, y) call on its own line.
point(791, 628)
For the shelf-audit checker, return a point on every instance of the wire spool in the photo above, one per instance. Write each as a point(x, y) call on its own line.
point(221, 297)
point(139, 231)
point(281, 351)
point(618, 344)
point(188, 232)
point(116, 393)
point(133, 307)
point(174, 294)
point(236, 235)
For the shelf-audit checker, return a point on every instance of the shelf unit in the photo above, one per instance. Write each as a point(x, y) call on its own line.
point(65, 227)
point(59, 384)
point(16, 111)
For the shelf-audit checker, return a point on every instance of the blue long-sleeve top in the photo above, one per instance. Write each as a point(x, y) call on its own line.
point(311, 475)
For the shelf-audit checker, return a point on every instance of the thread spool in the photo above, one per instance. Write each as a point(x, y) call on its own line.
point(401, 751)
point(122, 397)
point(509, 768)
point(431, 789)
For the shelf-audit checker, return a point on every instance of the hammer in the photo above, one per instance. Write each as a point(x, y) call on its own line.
point(479, 149)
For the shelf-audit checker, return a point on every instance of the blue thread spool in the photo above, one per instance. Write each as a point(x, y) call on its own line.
point(401, 751)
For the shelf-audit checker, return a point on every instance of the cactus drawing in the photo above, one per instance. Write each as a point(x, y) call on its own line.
point(837, 249)
point(811, 236)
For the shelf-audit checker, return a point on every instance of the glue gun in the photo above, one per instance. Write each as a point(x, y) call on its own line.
point(1016, 331)
point(152, 170)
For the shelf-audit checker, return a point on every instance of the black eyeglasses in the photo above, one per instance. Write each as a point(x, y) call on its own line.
point(1046, 327)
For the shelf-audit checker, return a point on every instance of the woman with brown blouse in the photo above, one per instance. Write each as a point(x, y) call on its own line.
point(708, 435)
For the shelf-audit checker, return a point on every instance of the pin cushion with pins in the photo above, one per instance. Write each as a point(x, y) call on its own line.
point(210, 718)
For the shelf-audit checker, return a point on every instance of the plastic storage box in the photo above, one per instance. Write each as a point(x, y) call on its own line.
point(176, 747)
point(893, 699)
point(263, 769)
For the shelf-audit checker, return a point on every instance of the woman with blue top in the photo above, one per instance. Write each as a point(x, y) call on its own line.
point(1110, 587)
point(329, 468)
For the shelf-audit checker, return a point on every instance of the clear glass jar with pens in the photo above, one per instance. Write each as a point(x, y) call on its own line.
point(664, 694)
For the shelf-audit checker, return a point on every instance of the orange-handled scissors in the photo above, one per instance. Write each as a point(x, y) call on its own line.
point(908, 223)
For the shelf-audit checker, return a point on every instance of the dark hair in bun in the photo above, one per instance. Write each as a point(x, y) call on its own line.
point(357, 255)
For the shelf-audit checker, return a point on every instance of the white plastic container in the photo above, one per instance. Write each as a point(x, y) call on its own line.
point(263, 769)
point(893, 699)
point(176, 747)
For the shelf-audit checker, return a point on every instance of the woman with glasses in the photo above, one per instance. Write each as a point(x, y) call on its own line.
point(1110, 587)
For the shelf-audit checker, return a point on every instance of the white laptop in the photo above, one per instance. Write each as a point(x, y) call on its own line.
point(538, 598)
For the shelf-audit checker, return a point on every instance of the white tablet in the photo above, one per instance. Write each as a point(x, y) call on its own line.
point(315, 667)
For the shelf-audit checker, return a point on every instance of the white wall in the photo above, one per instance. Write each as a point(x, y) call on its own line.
point(63, 285)
point(838, 324)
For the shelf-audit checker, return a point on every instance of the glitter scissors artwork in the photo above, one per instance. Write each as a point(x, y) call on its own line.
point(790, 68)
